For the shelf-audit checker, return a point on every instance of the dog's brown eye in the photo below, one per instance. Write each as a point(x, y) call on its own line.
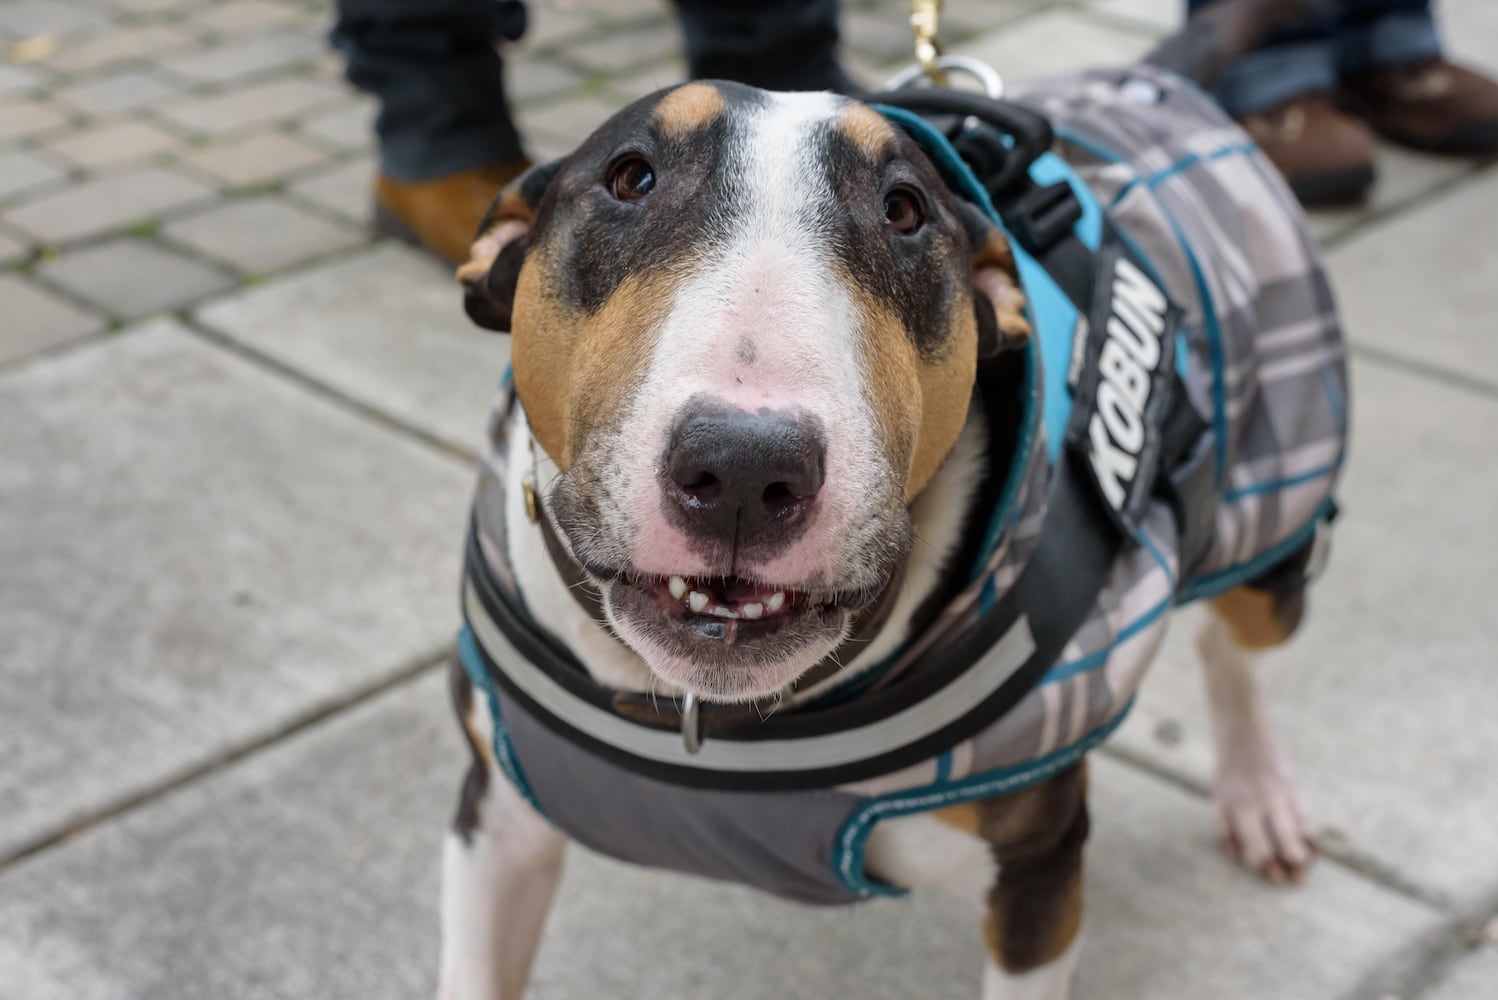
point(631, 179)
point(904, 211)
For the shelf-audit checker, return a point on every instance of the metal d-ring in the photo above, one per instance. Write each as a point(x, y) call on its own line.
point(691, 723)
point(993, 84)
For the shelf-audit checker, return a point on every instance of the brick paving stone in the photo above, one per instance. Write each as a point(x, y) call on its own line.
point(386, 327)
point(152, 6)
point(551, 25)
point(246, 15)
point(561, 126)
point(255, 235)
point(22, 171)
point(18, 80)
point(113, 144)
point(528, 77)
point(254, 160)
point(36, 319)
point(125, 90)
point(344, 190)
point(1474, 978)
point(629, 87)
point(125, 45)
point(242, 58)
point(1055, 41)
point(19, 119)
point(1162, 14)
point(345, 128)
point(106, 203)
point(12, 248)
point(30, 18)
point(207, 553)
point(246, 106)
point(1470, 32)
point(1388, 276)
point(620, 50)
point(1404, 176)
point(877, 36)
point(131, 277)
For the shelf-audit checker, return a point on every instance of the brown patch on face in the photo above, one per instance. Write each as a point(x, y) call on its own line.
point(687, 109)
point(921, 403)
point(1037, 835)
point(573, 370)
point(867, 130)
point(1260, 619)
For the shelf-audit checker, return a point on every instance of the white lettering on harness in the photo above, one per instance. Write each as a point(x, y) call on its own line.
point(1126, 364)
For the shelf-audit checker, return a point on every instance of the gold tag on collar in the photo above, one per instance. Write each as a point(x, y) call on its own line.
point(532, 509)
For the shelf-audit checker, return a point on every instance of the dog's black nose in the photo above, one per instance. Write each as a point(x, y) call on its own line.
point(742, 478)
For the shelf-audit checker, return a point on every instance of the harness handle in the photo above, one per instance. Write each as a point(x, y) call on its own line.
point(1004, 160)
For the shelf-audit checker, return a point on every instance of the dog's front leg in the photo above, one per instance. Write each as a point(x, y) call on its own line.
point(1033, 925)
point(500, 867)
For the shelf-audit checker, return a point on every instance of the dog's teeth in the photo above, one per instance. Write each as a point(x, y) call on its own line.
point(678, 587)
point(697, 601)
point(721, 612)
point(752, 611)
point(776, 601)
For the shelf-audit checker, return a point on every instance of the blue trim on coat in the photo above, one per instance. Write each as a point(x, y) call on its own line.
point(1220, 582)
point(504, 750)
point(852, 840)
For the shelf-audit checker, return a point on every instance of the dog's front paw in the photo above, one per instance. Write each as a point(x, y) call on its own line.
point(1260, 822)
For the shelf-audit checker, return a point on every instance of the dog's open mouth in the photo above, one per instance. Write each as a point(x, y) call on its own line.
point(725, 637)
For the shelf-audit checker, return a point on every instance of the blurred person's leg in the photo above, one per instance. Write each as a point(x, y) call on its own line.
point(1283, 96)
point(774, 44)
point(447, 141)
point(447, 138)
point(1394, 74)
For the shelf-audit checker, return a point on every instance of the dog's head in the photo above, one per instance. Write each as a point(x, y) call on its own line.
point(746, 327)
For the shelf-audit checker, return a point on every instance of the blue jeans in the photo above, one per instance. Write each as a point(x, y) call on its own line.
point(1359, 35)
point(433, 67)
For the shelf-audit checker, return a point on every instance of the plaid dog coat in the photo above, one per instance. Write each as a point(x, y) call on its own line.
point(1259, 351)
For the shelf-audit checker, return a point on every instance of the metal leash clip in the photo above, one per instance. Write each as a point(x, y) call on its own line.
point(932, 64)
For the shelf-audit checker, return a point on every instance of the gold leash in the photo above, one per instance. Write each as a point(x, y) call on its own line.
point(925, 21)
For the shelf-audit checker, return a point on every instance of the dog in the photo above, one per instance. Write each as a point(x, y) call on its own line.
point(780, 445)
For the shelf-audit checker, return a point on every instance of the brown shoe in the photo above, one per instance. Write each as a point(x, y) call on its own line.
point(1326, 156)
point(441, 215)
point(1433, 105)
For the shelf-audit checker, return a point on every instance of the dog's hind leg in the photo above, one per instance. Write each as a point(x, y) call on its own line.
point(500, 866)
point(1258, 813)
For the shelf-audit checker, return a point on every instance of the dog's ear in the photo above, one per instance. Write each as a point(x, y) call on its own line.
point(493, 267)
point(997, 300)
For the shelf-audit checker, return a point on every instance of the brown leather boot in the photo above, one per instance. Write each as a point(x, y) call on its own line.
point(441, 215)
point(1433, 105)
point(1326, 156)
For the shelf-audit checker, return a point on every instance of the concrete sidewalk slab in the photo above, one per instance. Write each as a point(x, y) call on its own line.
point(385, 327)
point(1056, 41)
point(197, 553)
point(1424, 286)
point(1385, 703)
point(1474, 978)
point(311, 870)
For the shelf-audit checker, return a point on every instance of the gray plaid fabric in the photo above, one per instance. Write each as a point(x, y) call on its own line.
point(1265, 366)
